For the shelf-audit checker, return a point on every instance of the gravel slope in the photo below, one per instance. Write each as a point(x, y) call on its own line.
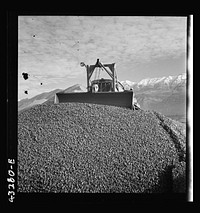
point(72, 147)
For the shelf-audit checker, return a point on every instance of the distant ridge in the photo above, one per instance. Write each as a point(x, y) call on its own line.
point(75, 88)
point(38, 99)
point(47, 96)
point(166, 95)
point(162, 82)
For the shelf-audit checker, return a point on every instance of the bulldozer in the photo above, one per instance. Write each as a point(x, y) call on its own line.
point(103, 91)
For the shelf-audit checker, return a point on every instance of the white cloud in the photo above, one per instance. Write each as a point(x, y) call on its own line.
point(61, 42)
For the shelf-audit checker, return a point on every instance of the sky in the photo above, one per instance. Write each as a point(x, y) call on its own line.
point(50, 48)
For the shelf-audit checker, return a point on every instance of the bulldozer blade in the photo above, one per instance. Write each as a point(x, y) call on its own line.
point(121, 99)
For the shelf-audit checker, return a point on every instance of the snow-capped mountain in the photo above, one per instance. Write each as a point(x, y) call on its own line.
point(168, 82)
point(165, 94)
point(128, 84)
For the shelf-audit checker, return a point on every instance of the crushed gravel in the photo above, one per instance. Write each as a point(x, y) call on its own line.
point(76, 147)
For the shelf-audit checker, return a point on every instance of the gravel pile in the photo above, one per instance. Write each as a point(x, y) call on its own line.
point(75, 147)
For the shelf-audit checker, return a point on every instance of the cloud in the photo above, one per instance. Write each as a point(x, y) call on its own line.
point(55, 45)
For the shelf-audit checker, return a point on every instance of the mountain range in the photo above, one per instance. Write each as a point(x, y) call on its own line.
point(163, 83)
point(166, 95)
